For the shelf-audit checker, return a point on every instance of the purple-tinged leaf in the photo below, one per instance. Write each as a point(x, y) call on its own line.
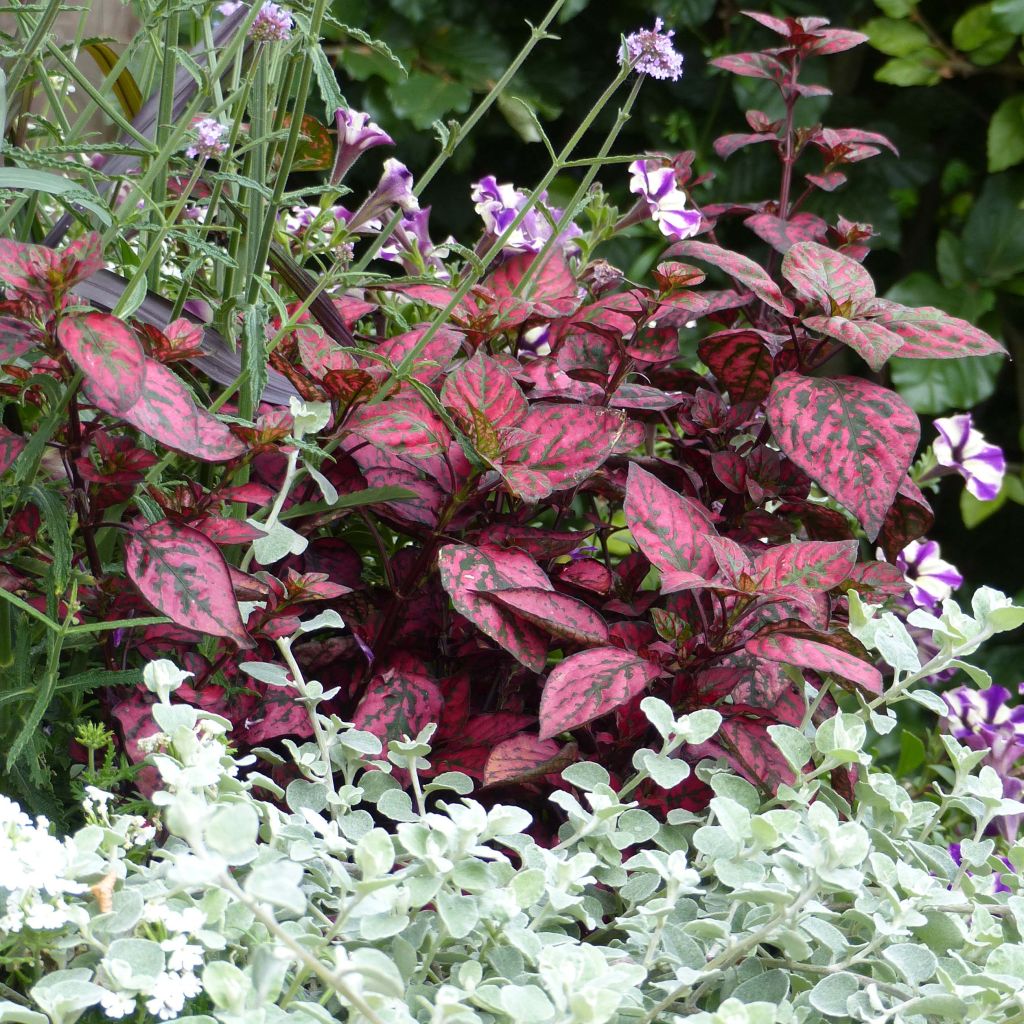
point(790, 650)
point(586, 574)
point(18, 337)
point(929, 333)
point(827, 277)
point(726, 145)
point(10, 448)
point(739, 268)
point(481, 386)
point(827, 182)
point(742, 363)
point(524, 757)
point(833, 138)
point(468, 574)
point(868, 338)
point(671, 530)
point(752, 65)
point(555, 447)
point(109, 356)
point(876, 580)
point(184, 576)
point(590, 684)
point(836, 40)
point(818, 565)
point(398, 702)
point(782, 234)
point(854, 438)
point(561, 616)
point(909, 518)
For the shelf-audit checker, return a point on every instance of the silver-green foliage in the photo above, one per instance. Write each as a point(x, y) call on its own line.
point(348, 899)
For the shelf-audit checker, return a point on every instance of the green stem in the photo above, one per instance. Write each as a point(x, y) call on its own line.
point(35, 41)
point(6, 650)
point(163, 120)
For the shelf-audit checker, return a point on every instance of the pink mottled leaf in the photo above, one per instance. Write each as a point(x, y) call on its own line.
point(184, 576)
point(820, 657)
point(854, 438)
point(782, 234)
point(557, 446)
point(827, 182)
point(909, 518)
point(435, 357)
point(836, 40)
point(726, 145)
point(827, 277)
point(10, 448)
point(525, 757)
point(587, 574)
point(929, 333)
point(752, 65)
point(671, 530)
point(320, 354)
point(555, 613)
point(404, 425)
point(45, 274)
point(590, 684)
point(739, 268)
point(868, 338)
point(18, 337)
point(741, 361)
point(482, 386)
point(469, 574)
point(818, 565)
point(398, 702)
point(552, 291)
point(109, 356)
point(642, 397)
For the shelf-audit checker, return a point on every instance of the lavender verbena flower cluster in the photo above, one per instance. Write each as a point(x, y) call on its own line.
point(962, 448)
point(499, 205)
point(651, 52)
point(272, 25)
point(209, 139)
point(656, 185)
point(983, 719)
point(931, 578)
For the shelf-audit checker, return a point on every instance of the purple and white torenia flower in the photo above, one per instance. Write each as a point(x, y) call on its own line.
point(207, 144)
point(356, 134)
point(961, 447)
point(656, 185)
point(499, 205)
point(931, 579)
point(272, 25)
point(651, 52)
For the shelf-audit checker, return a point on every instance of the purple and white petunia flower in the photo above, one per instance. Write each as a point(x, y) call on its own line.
point(356, 134)
point(207, 144)
point(931, 579)
point(411, 245)
point(651, 52)
point(961, 447)
point(656, 185)
point(273, 24)
point(393, 190)
point(499, 205)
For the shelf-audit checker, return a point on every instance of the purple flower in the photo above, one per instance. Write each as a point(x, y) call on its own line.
point(965, 449)
point(356, 134)
point(982, 720)
point(208, 139)
point(931, 579)
point(393, 189)
point(411, 246)
point(229, 7)
point(651, 52)
point(272, 25)
point(656, 185)
point(499, 205)
point(535, 341)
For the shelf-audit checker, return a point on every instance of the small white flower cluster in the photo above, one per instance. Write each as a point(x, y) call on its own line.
point(34, 868)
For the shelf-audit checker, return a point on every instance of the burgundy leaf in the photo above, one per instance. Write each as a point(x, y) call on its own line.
point(739, 268)
point(877, 579)
point(557, 446)
point(671, 530)
point(726, 145)
point(590, 684)
point(929, 333)
point(525, 757)
point(752, 65)
point(587, 574)
point(868, 338)
point(109, 356)
point(10, 448)
point(741, 361)
point(44, 274)
point(831, 138)
point(836, 40)
point(18, 337)
point(280, 714)
point(183, 575)
point(481, 386)
point(744, 740)
point(319, 354)
point(552, 291)
point(469, 573)
point(820, 657)
point(819, 565)
point(781, 234)
point(827, 277)
point(854, 438)
point(224, 530)
point(435, 357)
point(827, 182)
point(396, 703)
point(404, 425)
point(640, 396)
point(909, 518)
point(561, 616)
